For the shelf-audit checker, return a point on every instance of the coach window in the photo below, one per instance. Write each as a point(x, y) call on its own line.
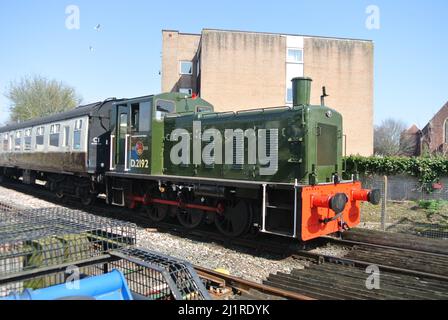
point(66, 136)
point(18, 141)
point(5, 142)
point(77, 135)
point(55, 130)
point(27, 139)
point(40, 136)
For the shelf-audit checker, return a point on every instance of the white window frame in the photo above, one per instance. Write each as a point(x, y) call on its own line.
point(78, 124)
point(77, 128)
point(180, 67)
point(40, 131)
point(288, 60)
point(5, 138)
point(55, 128)
point(66, 134)
point(18, 135)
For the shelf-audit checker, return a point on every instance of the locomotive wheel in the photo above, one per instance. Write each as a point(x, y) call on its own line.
point(157, 213)
point(87, 200)
point(190, 218)
point(59, 194)
point(86, 197)
point(235, 221)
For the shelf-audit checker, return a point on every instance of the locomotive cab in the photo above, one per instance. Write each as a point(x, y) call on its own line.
point(136, 121)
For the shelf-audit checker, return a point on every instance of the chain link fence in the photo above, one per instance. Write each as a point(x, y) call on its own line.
point(407, 206)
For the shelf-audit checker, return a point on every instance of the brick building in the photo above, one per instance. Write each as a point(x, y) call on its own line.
point(410, 141)
point(435, 134)
point(237, 70)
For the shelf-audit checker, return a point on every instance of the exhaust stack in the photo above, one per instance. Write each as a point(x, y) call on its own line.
point(301, 91)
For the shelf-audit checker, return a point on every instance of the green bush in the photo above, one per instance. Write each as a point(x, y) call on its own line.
point(431, 205)
point(427, 169)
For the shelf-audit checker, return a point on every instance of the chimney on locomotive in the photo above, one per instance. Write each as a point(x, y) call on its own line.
point(301, 91)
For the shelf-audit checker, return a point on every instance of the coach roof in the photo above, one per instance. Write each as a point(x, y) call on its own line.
point(79, 111)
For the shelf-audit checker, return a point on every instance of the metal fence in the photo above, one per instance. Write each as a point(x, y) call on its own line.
point(38, 248)
point(407, 207)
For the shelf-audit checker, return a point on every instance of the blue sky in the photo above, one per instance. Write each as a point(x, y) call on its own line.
point(411, 46)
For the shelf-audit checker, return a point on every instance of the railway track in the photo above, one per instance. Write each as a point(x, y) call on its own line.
point(410, 267)
point(228, 286)
point(330, 281)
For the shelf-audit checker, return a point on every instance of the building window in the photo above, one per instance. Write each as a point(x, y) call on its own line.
point(294, 55)
point(186, 91)
point(186, 67)
point(55, 130)
point(40, 136)
point(445, 127)
point(77, 135)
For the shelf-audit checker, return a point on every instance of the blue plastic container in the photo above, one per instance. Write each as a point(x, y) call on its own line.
point(110, 286)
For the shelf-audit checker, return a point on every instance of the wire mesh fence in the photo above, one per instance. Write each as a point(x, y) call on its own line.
point(39, 248)
point(156, 276)
point(149, 276)
point(37, 238)
point(407, 206)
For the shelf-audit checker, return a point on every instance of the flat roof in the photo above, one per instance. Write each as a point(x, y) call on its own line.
point(272, 33)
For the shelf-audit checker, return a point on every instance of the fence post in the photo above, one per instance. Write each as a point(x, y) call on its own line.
point(383, 205)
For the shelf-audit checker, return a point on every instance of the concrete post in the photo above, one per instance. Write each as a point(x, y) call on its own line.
point(383, 205)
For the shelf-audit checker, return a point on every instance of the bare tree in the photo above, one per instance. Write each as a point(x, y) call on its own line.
point(37, 96)
point(387, 137)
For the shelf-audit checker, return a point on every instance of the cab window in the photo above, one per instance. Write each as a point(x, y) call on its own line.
point(140, 116)
point(164, 107)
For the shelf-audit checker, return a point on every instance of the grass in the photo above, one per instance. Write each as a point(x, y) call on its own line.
point(422, 211)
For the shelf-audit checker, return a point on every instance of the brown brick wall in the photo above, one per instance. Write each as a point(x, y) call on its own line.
point(345, 68)
point(175, 48)
point(242, 70)
point(433, 133)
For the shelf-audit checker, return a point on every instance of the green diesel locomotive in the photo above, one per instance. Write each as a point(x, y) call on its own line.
point(273, 170)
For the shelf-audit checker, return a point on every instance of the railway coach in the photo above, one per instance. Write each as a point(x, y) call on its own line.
point(273, 170)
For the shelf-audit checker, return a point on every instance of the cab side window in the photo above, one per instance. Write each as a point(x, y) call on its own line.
point(164, 107)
